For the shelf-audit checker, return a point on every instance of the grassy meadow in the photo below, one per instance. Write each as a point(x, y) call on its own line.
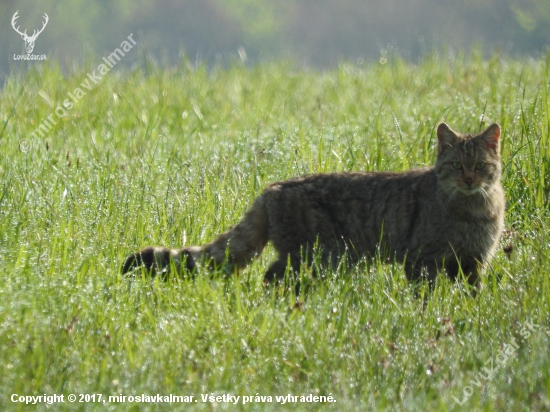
point(175, 156)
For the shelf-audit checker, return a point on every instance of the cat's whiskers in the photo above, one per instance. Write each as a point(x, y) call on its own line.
point(449, 199)
point(484, 194)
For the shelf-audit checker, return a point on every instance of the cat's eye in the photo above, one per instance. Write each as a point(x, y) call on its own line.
point(456, 165)
point(481, 165)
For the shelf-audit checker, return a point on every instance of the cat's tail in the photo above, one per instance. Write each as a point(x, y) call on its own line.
point(232, 249)
point(238, 246)
point(158, 260)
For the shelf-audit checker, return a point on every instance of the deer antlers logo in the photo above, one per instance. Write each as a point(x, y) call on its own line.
point(29, 40)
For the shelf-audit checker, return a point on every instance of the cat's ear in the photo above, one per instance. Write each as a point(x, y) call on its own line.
point(491, 137)
point(446, 137)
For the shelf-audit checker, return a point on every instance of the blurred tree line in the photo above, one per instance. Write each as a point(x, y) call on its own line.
point(316, 32)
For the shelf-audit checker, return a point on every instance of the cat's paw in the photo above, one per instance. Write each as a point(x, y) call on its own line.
point(159, 260)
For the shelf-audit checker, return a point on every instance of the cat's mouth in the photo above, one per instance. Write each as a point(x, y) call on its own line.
point(468, 189)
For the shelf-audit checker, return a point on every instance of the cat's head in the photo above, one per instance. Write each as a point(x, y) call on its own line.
point(468, 163)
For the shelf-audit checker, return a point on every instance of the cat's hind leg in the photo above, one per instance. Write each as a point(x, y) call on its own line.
point(277, 270)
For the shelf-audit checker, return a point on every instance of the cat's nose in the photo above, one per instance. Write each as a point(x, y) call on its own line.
point(468, 180)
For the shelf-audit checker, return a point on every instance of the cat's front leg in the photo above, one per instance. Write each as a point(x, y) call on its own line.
point(418, 271)
point(470, 269)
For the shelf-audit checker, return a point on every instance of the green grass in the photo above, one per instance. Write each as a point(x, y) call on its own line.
point(173, 157)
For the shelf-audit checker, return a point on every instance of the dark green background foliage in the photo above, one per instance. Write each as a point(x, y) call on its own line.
point(308, 31)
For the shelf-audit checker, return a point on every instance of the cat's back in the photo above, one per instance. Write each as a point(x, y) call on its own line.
point(364, 186)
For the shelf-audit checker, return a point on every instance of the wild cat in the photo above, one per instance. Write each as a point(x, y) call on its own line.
point(449, 216)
